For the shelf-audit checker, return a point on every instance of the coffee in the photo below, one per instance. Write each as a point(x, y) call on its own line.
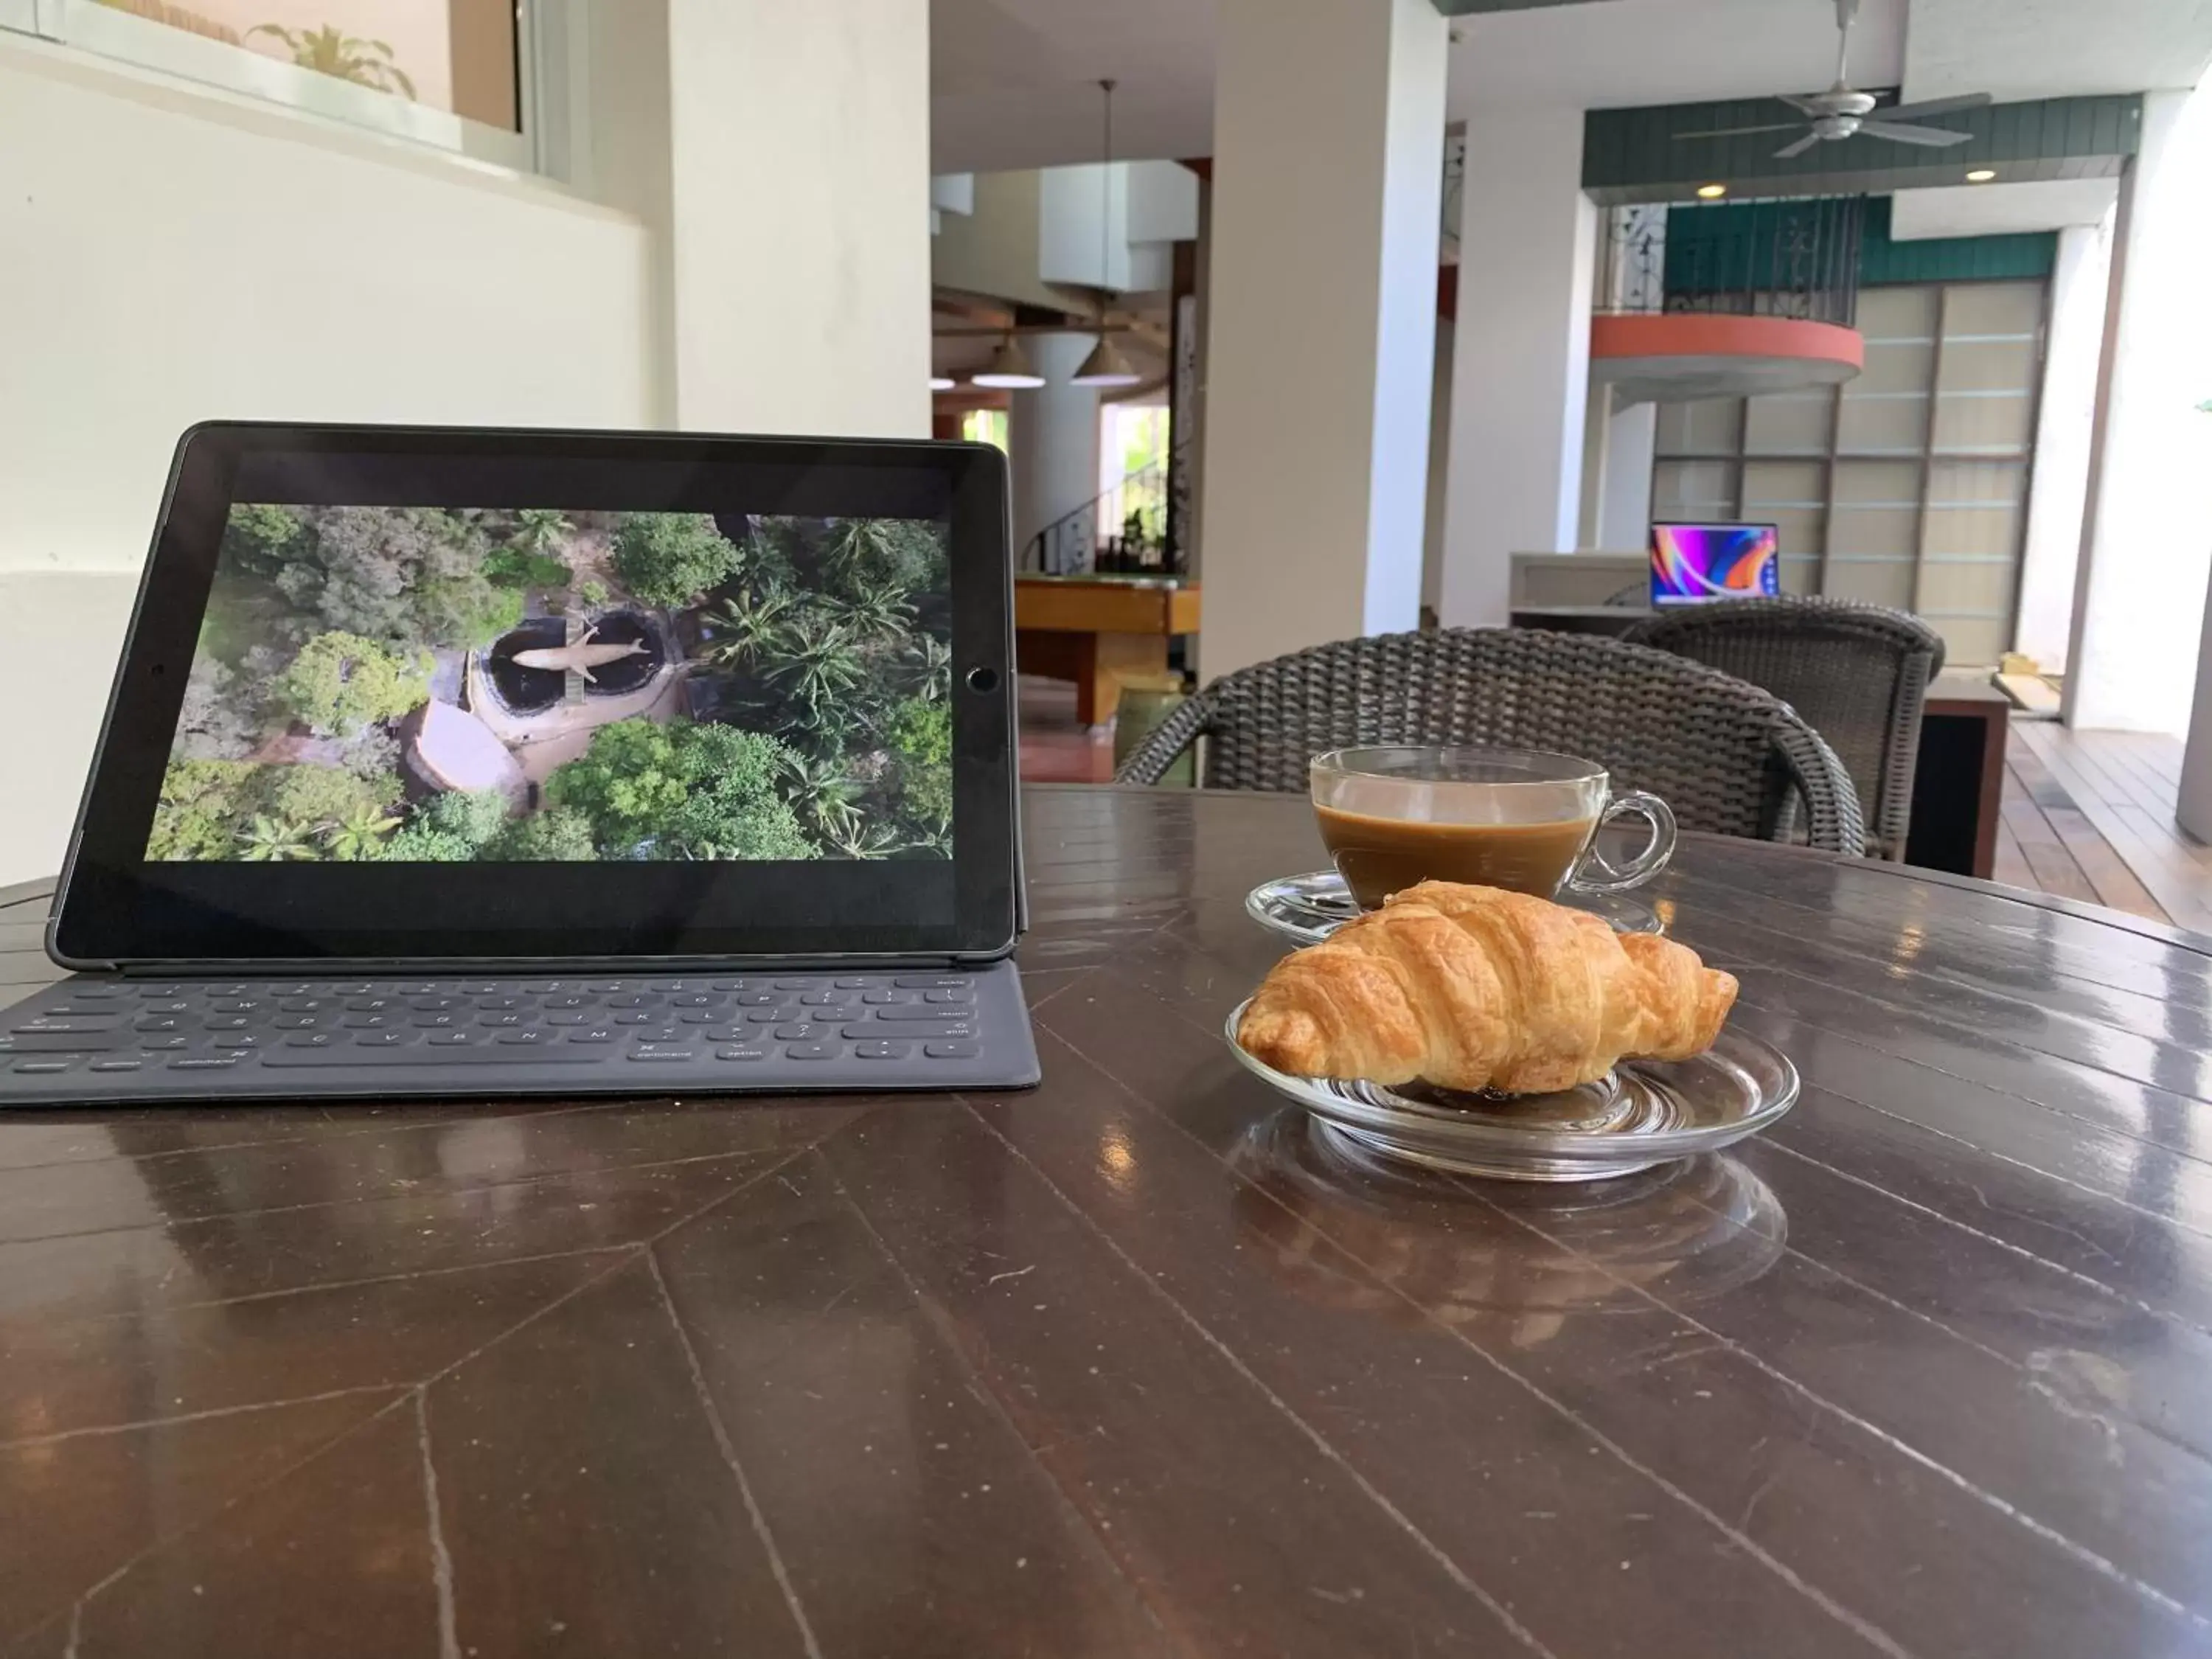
point(1379, 856)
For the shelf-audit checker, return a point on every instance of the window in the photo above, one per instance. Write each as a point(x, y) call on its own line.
point(985, 425)
point(1907, 486)
point(445, 72)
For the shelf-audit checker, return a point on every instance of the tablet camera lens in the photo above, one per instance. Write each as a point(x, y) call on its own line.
point(982, 679)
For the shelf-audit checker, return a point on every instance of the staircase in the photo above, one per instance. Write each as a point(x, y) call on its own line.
point(1123, 532)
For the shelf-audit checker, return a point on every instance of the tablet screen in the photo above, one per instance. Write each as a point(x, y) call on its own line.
point(527, 683)
point(398, 693)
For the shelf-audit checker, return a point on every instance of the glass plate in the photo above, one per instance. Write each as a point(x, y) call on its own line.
point(1643, 1112)
point(1311, 906)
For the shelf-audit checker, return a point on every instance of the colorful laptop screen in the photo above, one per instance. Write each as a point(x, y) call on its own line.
point(1692, 563)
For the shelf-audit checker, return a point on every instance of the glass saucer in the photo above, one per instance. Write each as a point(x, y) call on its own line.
point(1643, 1112)
point(1311, 906)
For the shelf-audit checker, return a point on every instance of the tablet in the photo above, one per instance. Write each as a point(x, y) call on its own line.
point(397, 695)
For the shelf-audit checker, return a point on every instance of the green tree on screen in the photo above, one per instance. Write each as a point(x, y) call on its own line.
point(341, 682)
point(681, 790)
point(671, 558)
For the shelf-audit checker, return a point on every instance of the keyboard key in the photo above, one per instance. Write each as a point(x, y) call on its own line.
point(763, 1016)
point(51, 1026)
point(68, 1042)
point(633, 1016)
point(759, 1000)
point(732, 985)
point(392, 1039)
point(236, 1004)
point(435, 1022)
point(45, 1063)
point(917, 1012)
point(234, 1040)
point(911, 1033)
point(595, 1034)
point(456, 1038)
point(855, 984)
point(228, 1022)
point(570, 1017)
point(657, 1053)
point(948, 996)
point(794, 984)
point(798, 1033)
point(503, 1003)
point(157, 991)
point(118, 1065)
point(166, 1023)
point(299, 1022)
point(479, 989)
point(206, 1062)
point(507, 1019)
point(699, 1016)
point(524, 1038)
point(951, 1050)
point(438, 1052)
point(165, 1044)
point(371, 1005)
point(745, 1051)
point(813, 1050)
point(821, 999)
point(96, 993)
point(167, 1006)
point(932, 982)
point(694, 999)
point(882, 1050)
point(571, 1000)
point(433, 1004)
point(634, 1000)
point(879, 998)
point(370, 1022)
point(300, 1005)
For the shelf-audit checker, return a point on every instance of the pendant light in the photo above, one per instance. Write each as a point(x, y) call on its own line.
point(1105, 366)
point(1009, 369)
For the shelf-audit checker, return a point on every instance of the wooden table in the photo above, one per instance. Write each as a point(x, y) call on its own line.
point(1094, 629)
point(1130, 1366)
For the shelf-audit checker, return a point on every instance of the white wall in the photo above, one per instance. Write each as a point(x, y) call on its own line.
point(1521, 357)
point(174, 256)
point(800, 139)
point(2053, 548)
point(2142, 590)
point(1322, 348)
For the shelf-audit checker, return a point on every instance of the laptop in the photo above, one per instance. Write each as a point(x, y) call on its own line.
point(458, 763)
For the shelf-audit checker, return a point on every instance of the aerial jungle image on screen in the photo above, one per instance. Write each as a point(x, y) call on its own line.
point(443, 685)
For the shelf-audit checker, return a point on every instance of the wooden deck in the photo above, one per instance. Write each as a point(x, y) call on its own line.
point(2089, 816)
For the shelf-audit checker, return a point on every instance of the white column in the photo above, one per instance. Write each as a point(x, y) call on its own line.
point(1052, 437)
point(2147, 543)
point(2068, 411)
point(1521, 359)
point(1623, 515)
point(1327, 154)
point(798, 139)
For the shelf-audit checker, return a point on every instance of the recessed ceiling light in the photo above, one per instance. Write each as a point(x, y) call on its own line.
point(1981, 175)
point(1712, 192)
point(942, 383)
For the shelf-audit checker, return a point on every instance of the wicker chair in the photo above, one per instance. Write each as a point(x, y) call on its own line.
point(1729, 757)
point(1858, 672)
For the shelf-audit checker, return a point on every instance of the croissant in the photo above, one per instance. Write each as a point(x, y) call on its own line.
point(1475, 987)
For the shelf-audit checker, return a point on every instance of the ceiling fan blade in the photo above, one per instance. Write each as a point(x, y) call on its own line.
point(1797, 102)
point(1737, 132)
point(1798, 149)
point(1928, 107)
point(1933, 138)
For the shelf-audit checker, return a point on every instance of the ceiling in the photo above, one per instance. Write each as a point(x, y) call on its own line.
point(1013, 80)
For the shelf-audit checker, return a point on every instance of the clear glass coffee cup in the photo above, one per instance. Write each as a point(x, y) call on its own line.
point(1398, 814)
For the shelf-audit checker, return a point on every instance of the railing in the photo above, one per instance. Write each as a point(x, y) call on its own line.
point(1123, 532)
point(1796, 257)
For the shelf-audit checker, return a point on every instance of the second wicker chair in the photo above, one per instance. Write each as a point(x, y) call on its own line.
point(1858, 672)
point(1729, 757)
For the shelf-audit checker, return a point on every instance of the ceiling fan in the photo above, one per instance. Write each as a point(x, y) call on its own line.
point(1842, 111)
